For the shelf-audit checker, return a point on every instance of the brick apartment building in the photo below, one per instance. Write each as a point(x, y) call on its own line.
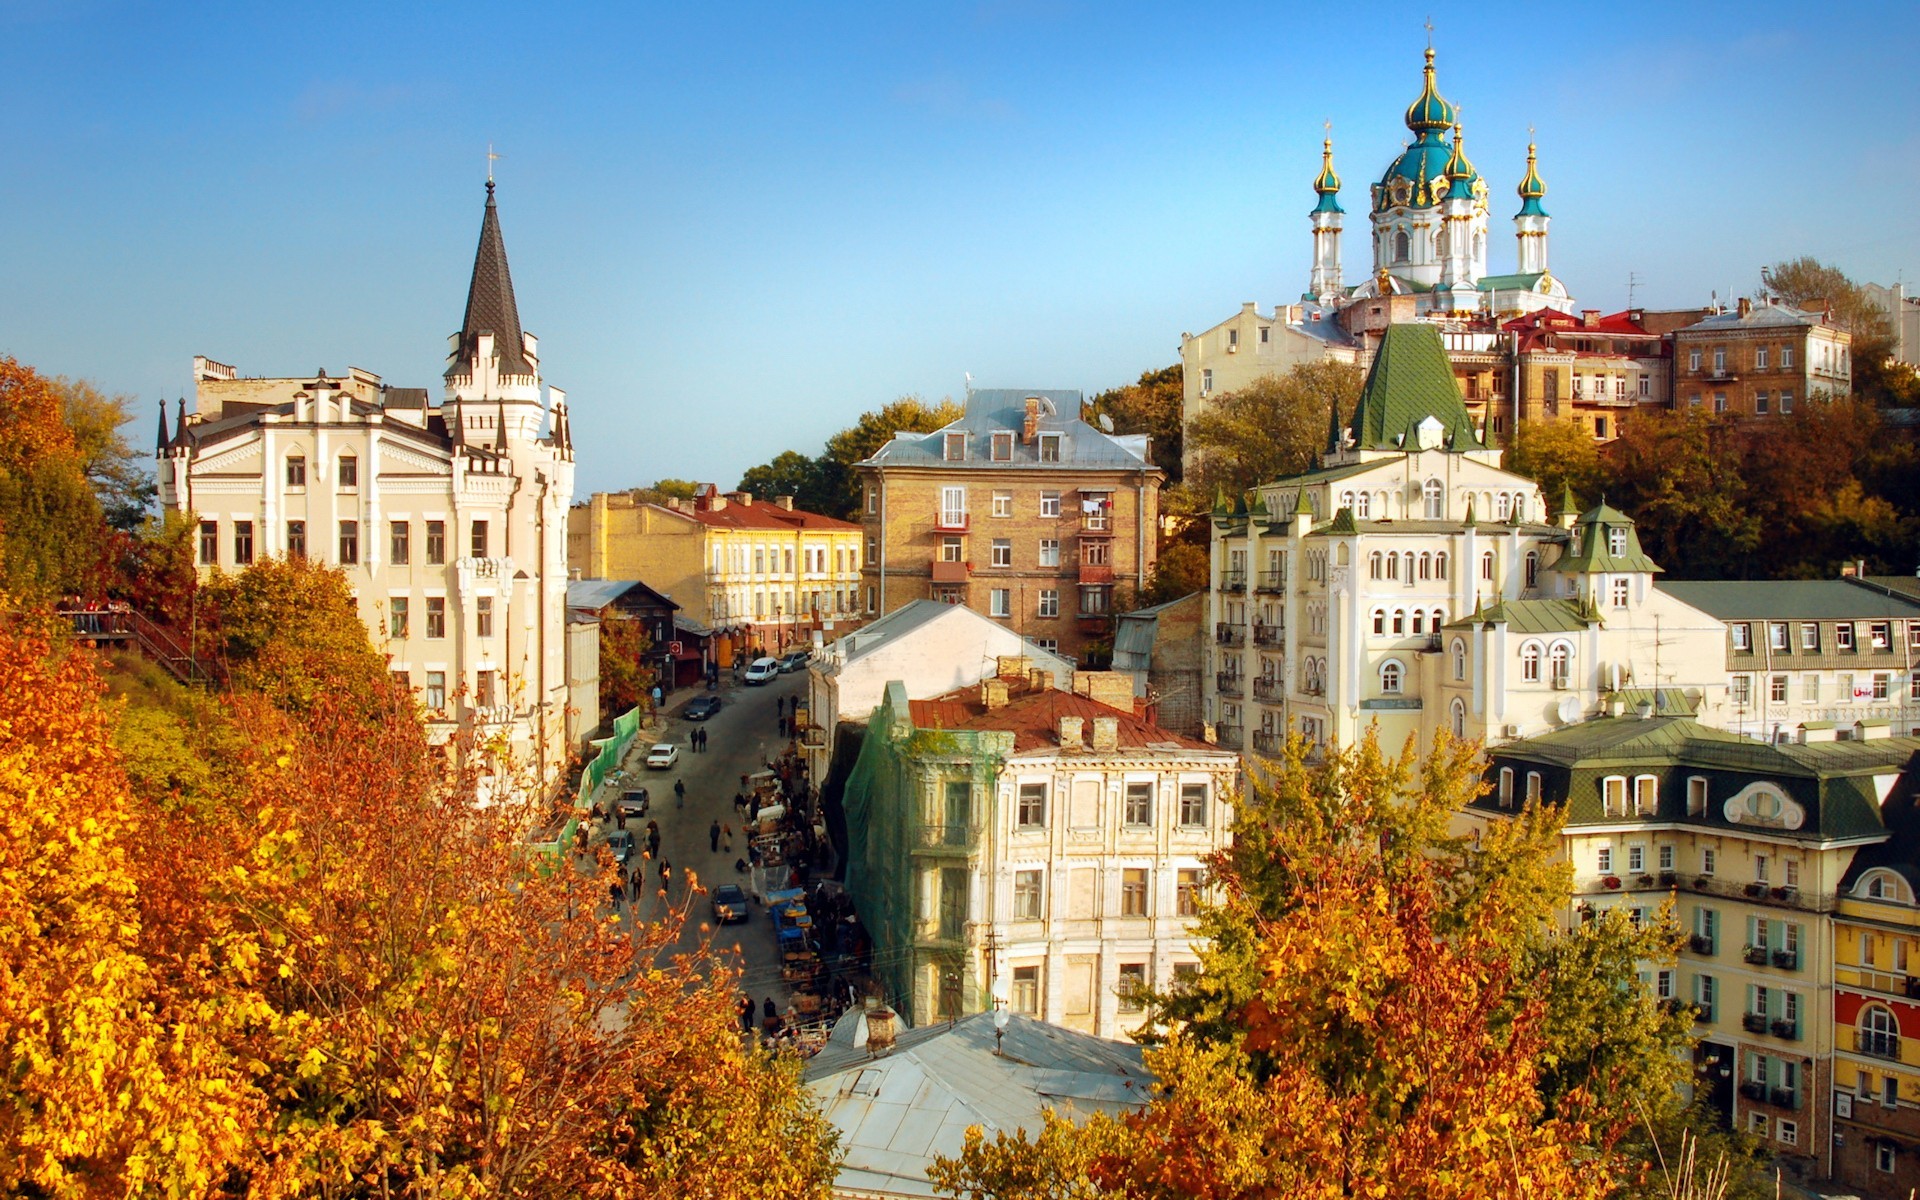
point(1759, 360)
point(1019, 510)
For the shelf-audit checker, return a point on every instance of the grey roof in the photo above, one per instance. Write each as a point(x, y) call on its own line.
point(1900, 585)
point(1774, 316)
point(895, 1114)
point(999, 410)
point(490, 304)
point(595, 594)
point(1789, 600)
point(1135, 633)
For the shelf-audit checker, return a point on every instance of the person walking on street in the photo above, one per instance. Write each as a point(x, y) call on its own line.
point(713, 838)
point(703, 740)
point(726, 836)
point(770, 1010)
point(679, 793)
point(666, 874)
point(618, 893)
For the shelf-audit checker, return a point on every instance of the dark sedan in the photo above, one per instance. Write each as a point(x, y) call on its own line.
point(701, 707)
point(729, 904)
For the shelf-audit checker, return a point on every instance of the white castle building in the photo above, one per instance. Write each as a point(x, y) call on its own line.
point(449, 518)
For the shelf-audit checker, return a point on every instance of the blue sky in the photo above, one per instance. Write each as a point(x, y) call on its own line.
point(735, 228)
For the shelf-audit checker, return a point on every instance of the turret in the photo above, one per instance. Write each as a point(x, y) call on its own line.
point(1530, 223)
point(1324, 286)
point(1458, 270)
point(493, 368)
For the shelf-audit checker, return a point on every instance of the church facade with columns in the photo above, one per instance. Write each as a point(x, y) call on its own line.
point(447, 514)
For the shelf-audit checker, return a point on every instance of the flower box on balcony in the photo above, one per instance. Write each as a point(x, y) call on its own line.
point(1611, 883)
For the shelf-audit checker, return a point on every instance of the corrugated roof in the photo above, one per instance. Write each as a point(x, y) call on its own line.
point(763, 514)
point(917, 614)
point(1034, 720)
point(1789, 599)
point(1530, 616)
point(1771, 316)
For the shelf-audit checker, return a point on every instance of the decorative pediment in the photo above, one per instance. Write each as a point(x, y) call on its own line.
point(401, 456)
point(247, 456)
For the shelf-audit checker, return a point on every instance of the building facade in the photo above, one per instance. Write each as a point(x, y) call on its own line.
point(1019, 510)
point(1043, 846)
point(1760, 360)
point(1876, 1013)
point(448, 517)
point(761, 573)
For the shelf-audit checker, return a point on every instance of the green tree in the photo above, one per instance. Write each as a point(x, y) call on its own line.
point(1181, 570)
point(1558, 455)
point(1275, 426)
point(625, 679)
point(1679, 475)
point(290, 630)
point(791, 473)
point(121, 479)
point(909, 414)
point(1150, 405)
point(51, 528)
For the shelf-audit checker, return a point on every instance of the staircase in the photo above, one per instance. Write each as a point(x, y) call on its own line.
point(161, 643)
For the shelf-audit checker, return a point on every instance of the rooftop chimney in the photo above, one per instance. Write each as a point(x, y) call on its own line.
point(1111, 688)
point(993, 693)
point(743, 499)
point(785, 502)
point(1106, 735)
point(1033, 419)
point(1745, 306)
point(1012, 666)
point(1589, 317)
point(1070, 729)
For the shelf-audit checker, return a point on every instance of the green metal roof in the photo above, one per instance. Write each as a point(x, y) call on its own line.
point(1591, 553)
point(1532, 616)
point(1329, 183)
point(1411, 380)
point(1508, 283)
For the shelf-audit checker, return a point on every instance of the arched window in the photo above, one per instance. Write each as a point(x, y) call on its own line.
point(1402, 248)
point(1530, 662)
point(1459, 659)
point(1363, 505)
point(1441, 242)
point(1459, 719)
point(1346, 499)
point(1426, 564)
point(1379, 622)
point(1533, 567)
point(1879, 1031)
point(1374, 567)
point(1479, 247)
point(1436, 619)
point(1506, 787)
point(1440, 564)
point(1502, 506)
point(1399, 622)
point(1436, 499)
point(1533, 787)
point(1393, 566)
point(1559, 659)
point(1519, 506)
point(1486, 565)
point(1390, 672)
point(1419, 622)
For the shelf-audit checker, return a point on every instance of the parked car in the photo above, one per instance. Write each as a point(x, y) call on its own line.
point(662, 756)
point(763, 670)
point(794, 661)
point(634, 803)
point(729, 904)
point(620, 845)
point(701, 707)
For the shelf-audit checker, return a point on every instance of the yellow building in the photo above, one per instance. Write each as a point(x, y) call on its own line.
point(1876, 1016)
point(762, 573)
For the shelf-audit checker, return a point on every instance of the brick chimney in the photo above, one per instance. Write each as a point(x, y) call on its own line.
point(1589, 317)
point(993, 693)
point(743, 499)
point(1011, 666)
point(1033, 420)
point(1106, 735)
point(1111, 688)
point(1746, 306)
point(1070, 733)
point(785, 502)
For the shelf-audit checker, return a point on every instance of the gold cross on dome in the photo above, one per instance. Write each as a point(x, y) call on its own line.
point(1429, 33)
point(491, 159)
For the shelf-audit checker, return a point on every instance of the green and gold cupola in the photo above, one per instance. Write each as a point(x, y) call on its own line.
point(1418, 178)
point(1328, 185)
point(1460, 169)
point(1532, 188)
point(1430, 113)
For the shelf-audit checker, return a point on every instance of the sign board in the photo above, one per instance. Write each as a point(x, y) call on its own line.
point(673, 647)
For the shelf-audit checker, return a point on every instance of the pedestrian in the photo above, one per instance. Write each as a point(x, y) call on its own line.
point(653, 844)
point(726, 836)
point(713, 838)
point(769, 1010)
point(783, 724)
point(703, 740)
point(745, 1011)
point(618, 892)
point(679, 793)
point(666, 874)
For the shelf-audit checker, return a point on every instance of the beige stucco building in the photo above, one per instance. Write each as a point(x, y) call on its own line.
point(448, 516)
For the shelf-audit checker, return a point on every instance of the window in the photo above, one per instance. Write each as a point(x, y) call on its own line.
point(1186, 892)
point(1843, 687)
point(1002, 552)
point(1883, 1157)
point(1559, 661)
point(1390, 678)
point(1133, 892)
point(349, 542)
point(1002, 445)
point(1719, 359)
point(1050, 447)
point(349, 471)
point(1139, 804)
point(1696, 796)
point(1882, 685)
point(437, 690)
point(956, 447)
point(479, 539)
point(1709, 859)
point(1402, 247)
point(1616, 540)
point(952, 549)
point(296, 539)
point(242, 542)
point(399, 548)
point(1026, 991)
point(1532, 568)
point(1809, 635)
point(1193, 804)
point(873, 499)
point(1621, 590)
point(1760, 403)
point(1843, 635)
point(1049, 552)
point(1434, 499)
point(1026, 896)
point(397, 616)
point(1206, 381)
point(1740, 689)
point(1646, 795)
point(1486, 565)
point(1719, 402)
point(1777, 689)
point(436, 616)
point(1636, 858)
point(1003, 504)
point(1533, 787)
point(1603, 859)
point(1880, 634)
point(1693, 359)
point(1049, 602)
point(1613, 796)
point(483, 616)
point(1786, 402)
point(1132, 987)
point(1000, 602)
point(1049, 504)
point(1760, 358)
point(483, 689)
point(436, 543)
point(1759, 860)
point(209, 543)
point(1810, 687)
point(1363, 505)
point(1786, 357)
point(296, 471)
point(1506, 787)
point(1459, 659)
point(1458, 713)
point(1666, 857)
point(1742, 637)
point(1530, 662)
point(1032, 809)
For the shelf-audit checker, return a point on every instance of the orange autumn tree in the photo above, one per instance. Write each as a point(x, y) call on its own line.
point(51, 527)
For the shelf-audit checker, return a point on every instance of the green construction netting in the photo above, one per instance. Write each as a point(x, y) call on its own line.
point(626, 727)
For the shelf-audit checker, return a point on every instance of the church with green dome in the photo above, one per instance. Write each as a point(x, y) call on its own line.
point(1429, 214)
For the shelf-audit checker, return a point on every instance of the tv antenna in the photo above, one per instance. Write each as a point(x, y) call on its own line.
point(1633, 282)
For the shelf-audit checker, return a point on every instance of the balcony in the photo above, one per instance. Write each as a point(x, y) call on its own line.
point(1095, 574)
point(1270, 691)
point(950, 522)
point(1754, 1022)
point(1098, 525)
point(1233, 581)
point(1701, 944)
point(1756, 956)
point(939, 935)
point(1269, 635)
point(1787, 960)
point(1877, 1044)
point(951, 572)
point(1269, 743)
point(945, 839)
point(1228, 736)
point(1231, 683)
point(1784, 1098)
point(1790, 1030)
point(1227, 633)
point(1754, 1090)
point(1272, 581)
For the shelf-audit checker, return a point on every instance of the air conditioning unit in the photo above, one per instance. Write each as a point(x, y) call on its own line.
point(1560, 683)
point(1512, 731)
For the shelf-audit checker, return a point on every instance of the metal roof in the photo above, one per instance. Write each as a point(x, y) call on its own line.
point(1002, 410)
point(1789, 599)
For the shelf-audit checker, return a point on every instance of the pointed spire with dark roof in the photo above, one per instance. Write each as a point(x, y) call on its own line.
point(1410, 381)
point(500, 428)
point(179, 419)
point(490, 303)
point(160, 443)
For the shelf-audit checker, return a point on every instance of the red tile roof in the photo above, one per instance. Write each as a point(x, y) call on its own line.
point(1034, 719)
point(763, 514)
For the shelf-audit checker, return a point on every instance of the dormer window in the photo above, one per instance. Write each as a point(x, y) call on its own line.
point(1050, 447)
point(1616, 541)
point(1003, 446)
point(956, 447)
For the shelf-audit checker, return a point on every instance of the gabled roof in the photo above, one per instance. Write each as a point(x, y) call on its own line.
point(1531, 616)
point(490, 304)
point(1592, 552)
point(915, 615)
point(595, 595)
point(1526, 282)
point(1003, 410)
point(1033, 718)
point(1790, 600)
point(1410, 381)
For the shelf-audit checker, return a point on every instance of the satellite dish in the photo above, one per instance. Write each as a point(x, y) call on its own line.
point(1106, 423)
point(1569, 709)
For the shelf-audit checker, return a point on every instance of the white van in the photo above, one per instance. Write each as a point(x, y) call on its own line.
point(763, 670)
